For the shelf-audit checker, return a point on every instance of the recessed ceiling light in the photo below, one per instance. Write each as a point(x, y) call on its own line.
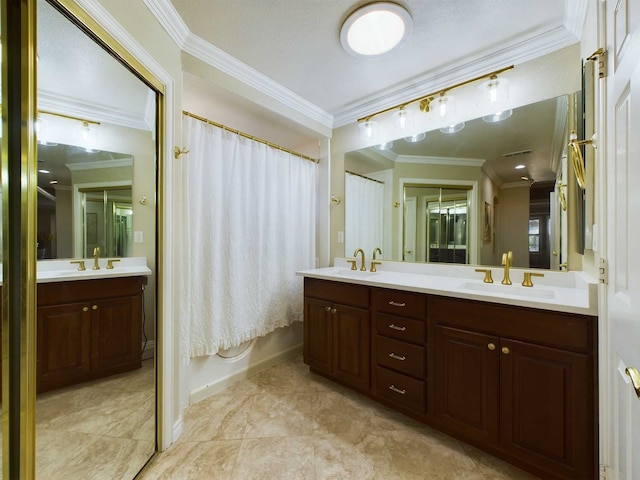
point(375, 29)
point(519, 167)
point(42, 170)
point(53, 182)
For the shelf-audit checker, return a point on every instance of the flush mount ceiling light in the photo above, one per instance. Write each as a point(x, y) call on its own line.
point(375, 29)
point(384, 146)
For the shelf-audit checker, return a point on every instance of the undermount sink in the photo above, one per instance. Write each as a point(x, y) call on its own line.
point(356, 273)
point(499, 289)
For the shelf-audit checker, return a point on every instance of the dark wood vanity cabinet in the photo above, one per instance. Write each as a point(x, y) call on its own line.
point(87, 329)
point(336, 331)
point(399, 354)
point(518, 382)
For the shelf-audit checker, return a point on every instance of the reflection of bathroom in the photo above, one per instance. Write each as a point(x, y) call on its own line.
point(107, 204)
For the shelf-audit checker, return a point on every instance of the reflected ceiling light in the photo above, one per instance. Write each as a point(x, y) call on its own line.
point(418, 137)
point(375, 29)
point(89, 137)
point(53, 182)
point(368, 129)
point(498, 117)
point(384, 146)
point(453, 128)
point(519, 167)
point(42, 170)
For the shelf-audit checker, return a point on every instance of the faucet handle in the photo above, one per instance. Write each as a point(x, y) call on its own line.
point(353, 264)
point(110, 263)
point(487, 274)
point(81, 266)
point(373, 264)
point(526, 282)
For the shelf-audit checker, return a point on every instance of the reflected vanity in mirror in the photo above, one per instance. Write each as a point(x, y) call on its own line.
point(469, 192)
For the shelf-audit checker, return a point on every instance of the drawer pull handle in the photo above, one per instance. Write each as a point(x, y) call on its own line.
point(397, 357)
point(506, 350)
point(327, 309)
point(397, 390)
point(94, 307)
point(85, 309)
point(491, 346)
point(395, 327)
point(397, 304)
point(333, 310)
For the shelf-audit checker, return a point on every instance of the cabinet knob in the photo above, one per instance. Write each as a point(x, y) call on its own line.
point(94, 307)
point(327, 309)
point(491, 346)
point(333, 310)
point(505, 350)
point(85, 309)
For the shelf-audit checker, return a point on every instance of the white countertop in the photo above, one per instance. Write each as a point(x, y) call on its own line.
point(63, 270)
point(571, 292)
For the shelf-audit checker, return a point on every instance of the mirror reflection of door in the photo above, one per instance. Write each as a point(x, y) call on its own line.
point(410, 216)
point(107, 218)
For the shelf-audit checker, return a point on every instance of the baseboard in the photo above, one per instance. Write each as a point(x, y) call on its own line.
point(148, 350)
point(177, 430)
point(225, 382)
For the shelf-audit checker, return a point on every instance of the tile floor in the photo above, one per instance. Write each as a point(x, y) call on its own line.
point(102, 429)
point(287, 423)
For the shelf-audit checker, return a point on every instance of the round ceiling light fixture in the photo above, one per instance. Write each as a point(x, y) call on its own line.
point(375, 29)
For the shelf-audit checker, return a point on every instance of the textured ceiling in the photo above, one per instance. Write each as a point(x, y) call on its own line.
point(296, 42)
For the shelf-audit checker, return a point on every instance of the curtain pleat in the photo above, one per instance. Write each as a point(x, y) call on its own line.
point(249, 218)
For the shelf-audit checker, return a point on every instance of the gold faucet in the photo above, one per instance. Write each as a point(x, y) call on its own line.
point(96, 255)
point(355, 254)
point(526, 281)
point(507, 261)
point(373, 261)
point(487, 274)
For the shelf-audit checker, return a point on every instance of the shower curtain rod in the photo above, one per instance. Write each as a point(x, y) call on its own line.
point(362, 176)
point(250, 137)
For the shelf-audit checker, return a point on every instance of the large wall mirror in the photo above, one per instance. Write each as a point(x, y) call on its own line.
point(469, 192)
point(97, 187)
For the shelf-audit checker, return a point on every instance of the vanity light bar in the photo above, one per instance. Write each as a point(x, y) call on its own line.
point(425, 100)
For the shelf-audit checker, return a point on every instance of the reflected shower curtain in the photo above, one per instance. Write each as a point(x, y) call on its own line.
point(363, 205)
point(249, 218)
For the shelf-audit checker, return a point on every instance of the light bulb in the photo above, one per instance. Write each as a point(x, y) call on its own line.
point(403, 118)
point(368, 129)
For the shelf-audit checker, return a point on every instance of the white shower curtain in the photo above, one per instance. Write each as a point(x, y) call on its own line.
point(249, 218)
point(363, 205)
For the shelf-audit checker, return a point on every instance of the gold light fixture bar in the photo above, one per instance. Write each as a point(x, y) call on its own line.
point(425, 100)
point(250, 137)
point(62, 115)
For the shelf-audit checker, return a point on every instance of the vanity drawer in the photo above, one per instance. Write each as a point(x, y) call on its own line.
point(405, 329)
point(398, 388)
point(405, 304)
point(337, 292)
point(400, 356)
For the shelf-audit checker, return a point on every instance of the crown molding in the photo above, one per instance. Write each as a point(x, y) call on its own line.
point(521, 52)
point(91, 111)
point(449, 161)
point(491, 173)
point(575, 14)
point(170, 20)
point(118, 163)
point(520, 184)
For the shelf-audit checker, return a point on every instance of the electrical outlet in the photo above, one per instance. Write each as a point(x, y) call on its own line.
point(340, 236)
point(138, 236)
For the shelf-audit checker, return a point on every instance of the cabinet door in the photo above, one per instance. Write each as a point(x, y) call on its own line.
point(351, 360)
point(64, 345)
point(318, 335)
point(546, 406)
point(116, 334)
point(466, 383)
